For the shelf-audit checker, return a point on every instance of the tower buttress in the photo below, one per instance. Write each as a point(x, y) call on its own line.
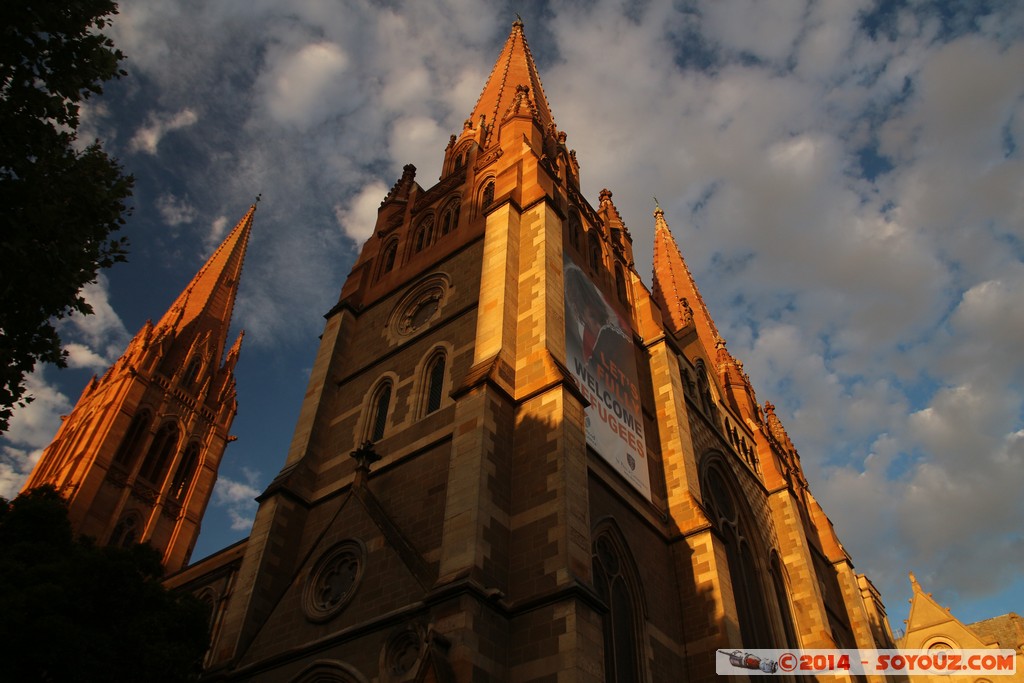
point(137, 457)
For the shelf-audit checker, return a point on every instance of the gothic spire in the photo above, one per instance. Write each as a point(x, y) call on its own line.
point(504, 89)
point(211, 293)
point(674, 288)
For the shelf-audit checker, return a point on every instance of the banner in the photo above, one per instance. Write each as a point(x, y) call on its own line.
point(600, 354)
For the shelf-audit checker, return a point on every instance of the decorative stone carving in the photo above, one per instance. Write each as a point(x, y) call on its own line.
point(333, 580)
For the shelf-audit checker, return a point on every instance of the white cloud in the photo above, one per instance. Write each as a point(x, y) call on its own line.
point(218, 228)
point(81, 356)
point(15, 466)
point(148, 137)
point(35, 424)
point(238, 498)
point(306, 86)
point(358, 216)
point(175, 210)
point(101, 333)
point(417, 139)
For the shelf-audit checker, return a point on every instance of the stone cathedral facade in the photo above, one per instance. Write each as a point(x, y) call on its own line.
point(515, 462)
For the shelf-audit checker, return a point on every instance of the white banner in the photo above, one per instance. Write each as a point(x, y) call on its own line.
point(601, 356)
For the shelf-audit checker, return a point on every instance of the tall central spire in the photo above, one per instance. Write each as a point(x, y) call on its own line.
point(514, 68)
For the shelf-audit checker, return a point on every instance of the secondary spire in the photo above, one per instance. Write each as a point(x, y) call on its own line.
point(212, 291)
point(674, 287)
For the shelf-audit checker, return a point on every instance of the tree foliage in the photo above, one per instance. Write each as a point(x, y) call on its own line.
point(74, 611)
point(60, 201)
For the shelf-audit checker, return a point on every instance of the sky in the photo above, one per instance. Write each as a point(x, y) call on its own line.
point(844, 177)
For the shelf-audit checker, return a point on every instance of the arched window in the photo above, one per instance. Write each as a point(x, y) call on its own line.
point(458, 162)
point(620, 284)
point(130, 447)
point(424, 236)
point(734, 526)
point(387, 257)
point(782, 598)
point(617, 583)
point(126, 533)
point(379, 406)
point(435, 383)
point(161, 451)
point(450, 220)
point(329, 671)
point(594, 250)
point(575, 230)
point(192, 373)
point(186, 470)
point(488, 196)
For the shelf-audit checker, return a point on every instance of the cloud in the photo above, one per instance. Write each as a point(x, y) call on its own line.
point(358, 216)
point(218, 228)
point(306, 87)
point(175, 210)
point(148, 137)
point(238, 498)
point(15, 466)
point(101, 335)
point(35, 424)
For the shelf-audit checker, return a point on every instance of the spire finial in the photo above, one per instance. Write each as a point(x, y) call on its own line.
point(518, 21)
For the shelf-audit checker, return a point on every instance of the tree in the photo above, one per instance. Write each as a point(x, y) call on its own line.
point(74, 611)
point(59, 202)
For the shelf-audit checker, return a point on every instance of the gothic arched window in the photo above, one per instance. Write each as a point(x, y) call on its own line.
point(127, 531)
point(488, 196)
point(161, 451)
point(387, 257)
point(186, 471)
point(594, 249)
point(782, 598)
point(379, 406)
point(131, 445)
point(575, 230)
point(424, 236)
point(732, 519)
point(192, 373)
point(435, 383)
point(450, 220)
point(617, 583)
point(620, 284)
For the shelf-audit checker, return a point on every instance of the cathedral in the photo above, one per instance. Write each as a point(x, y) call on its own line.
point(513, 461)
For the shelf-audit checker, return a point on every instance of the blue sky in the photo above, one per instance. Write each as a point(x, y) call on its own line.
point(844, 177)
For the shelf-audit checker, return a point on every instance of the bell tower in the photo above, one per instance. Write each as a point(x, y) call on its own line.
point(137, 457)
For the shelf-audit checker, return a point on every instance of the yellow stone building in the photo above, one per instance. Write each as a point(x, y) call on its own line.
point(514, 461)
point(933, 627)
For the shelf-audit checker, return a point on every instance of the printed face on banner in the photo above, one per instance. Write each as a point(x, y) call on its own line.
point(600, 354)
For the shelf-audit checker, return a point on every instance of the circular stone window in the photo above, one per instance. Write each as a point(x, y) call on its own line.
point(420, 306)
point(333, 580)
point(402, 653)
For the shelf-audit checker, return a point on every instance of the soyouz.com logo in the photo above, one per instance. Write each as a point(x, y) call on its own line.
point(759, 662)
